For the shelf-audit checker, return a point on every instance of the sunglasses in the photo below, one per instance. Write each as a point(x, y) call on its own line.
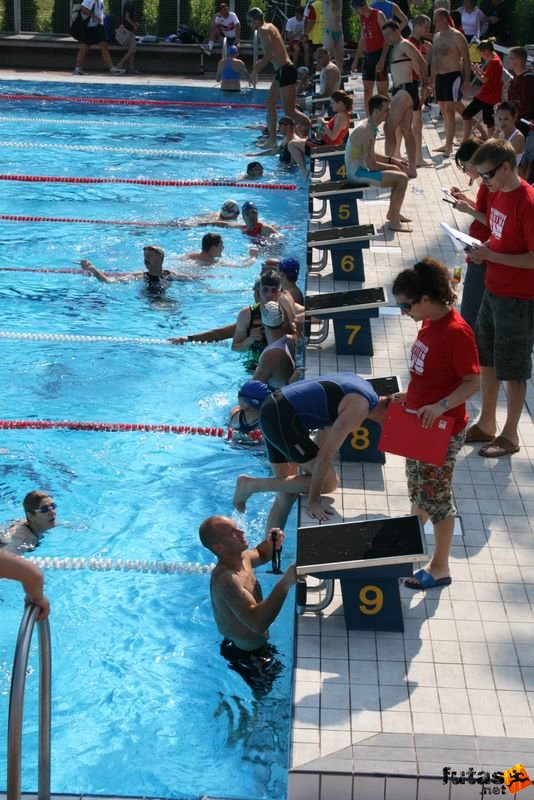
point(487, 176)
point(406, 306)
point(45, 509)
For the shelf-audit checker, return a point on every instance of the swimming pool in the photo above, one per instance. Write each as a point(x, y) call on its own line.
point(142, 702)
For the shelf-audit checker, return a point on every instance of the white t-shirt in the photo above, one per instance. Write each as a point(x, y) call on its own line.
point(227, 25)
point(96, 7)
point(295, 27)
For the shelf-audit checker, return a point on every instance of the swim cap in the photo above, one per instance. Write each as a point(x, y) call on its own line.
point(271, 315)
point(232, 50)
point(229, 210)
point(358, 3)
point(156, 248)
point(248, 206)
point(254, 393)
point(290, 267)
point(254, 13)
point(303, 71)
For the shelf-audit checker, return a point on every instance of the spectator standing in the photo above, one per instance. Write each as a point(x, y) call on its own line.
point(314, 22)
point(521, 88)
point(505, 324)
point(490, 93)
point(497, 16)
point(93, 33)
point(374, 50)
point(333, 38)
point(474, 22)
point(420, 39)
point(129, 22)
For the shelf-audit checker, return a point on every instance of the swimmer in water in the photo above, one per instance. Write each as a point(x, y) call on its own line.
point(153, 257)
point(211, 252)
point(26, 534)
point(229, 212)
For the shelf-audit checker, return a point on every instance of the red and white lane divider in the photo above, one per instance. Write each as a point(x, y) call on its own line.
point(284, 187)
point(122, 101)
point(123, 427)
point(122, 565)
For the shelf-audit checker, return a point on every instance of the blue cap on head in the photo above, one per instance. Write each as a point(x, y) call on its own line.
point(254, 393)
point(232, 50)
point(249, 206)
point(290, 267)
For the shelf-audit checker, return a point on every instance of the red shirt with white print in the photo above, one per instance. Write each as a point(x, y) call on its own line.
point(443, 354)
point(511, 221)
point(491, 91)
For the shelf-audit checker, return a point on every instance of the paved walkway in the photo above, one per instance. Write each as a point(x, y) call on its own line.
point(462, 673)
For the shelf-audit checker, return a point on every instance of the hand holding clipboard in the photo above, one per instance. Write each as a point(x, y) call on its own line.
point(423, 437)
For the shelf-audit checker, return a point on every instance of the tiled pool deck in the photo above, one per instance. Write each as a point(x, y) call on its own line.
point(377, 716)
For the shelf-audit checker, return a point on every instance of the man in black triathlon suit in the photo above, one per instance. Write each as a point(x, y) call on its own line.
point(336, 404)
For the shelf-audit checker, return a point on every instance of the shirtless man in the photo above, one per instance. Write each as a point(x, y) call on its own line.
point(363, 165)
point(153, 258)
point(284, 85)
point(25, 534)
point(241, 613)
point(403, 59)
point(333, 39)
point(420, 38)
point(450, 74)
point(329, 79)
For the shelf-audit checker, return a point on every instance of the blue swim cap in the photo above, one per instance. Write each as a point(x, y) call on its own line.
point(290, 267)
point(248, 206)
point(232, 50)
point(254, 393)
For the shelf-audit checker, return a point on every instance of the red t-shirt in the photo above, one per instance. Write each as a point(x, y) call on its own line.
point(491, 91)
point(421, 45)
point(443, 354)
point(511, 221)
point(373, 39)
point(478, 229)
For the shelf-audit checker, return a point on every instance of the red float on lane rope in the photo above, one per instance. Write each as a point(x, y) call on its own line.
point(73, 425)
point(287, 187)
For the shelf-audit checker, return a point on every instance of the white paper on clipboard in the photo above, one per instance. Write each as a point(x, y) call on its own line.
point(459, 239)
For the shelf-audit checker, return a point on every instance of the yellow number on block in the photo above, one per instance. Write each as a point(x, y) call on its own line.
point(341, 171)
point(360, 439)
point(355, 329)
point(344, 211)
point(372, 599)
point(347, 263)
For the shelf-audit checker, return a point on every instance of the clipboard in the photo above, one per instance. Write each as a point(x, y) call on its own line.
point(403, 435)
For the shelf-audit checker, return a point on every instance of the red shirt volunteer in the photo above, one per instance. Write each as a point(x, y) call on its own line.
point(477, 229)
point(373, 39)
point(442, 355)
point(491, 91)
point(510, 219)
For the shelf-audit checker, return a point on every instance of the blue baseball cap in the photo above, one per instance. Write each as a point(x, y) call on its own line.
point(254, 393)
point(290, 267)
point(232, 50)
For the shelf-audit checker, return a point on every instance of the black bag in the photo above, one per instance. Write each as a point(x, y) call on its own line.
point(187, 35)
point(79, 27)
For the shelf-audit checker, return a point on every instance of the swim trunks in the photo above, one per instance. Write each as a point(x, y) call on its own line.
point(336, 36)
point(449, 87)
point(412, 87)
point(259, 668)
point(364, 175)
point(286, 75)
point(370, 60)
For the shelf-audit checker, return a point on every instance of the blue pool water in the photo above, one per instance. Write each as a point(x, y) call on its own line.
point(142, 702)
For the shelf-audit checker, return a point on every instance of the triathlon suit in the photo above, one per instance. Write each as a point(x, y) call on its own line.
point(241, 422)
point(412, 87)
point(449, 87)
point(340, 138)
point(290, 413)
point(356, 167)
point(285, 155)
point(255, 232)
point(229, 73)
point(286, 75)
point(252, 357)
point(373, 42)
point(259, 668)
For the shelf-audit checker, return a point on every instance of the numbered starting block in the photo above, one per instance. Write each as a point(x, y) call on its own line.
point(323, 158)
point(368, 558)
point(345, 246)
point(361, 445)
point(342, 196)
point(351, 314)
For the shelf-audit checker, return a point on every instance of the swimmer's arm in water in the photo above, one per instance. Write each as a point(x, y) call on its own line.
point(17, 569)
point(263, 552)
point(178, 276)
point(101, 276)
point(270, 151)
point(268, 230)
point(214, 335)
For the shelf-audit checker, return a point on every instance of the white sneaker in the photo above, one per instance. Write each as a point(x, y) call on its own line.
point(117, 71)
point(205, 49)
point(77, 71)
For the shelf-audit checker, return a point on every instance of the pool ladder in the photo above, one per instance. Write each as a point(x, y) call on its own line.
point(16, 705)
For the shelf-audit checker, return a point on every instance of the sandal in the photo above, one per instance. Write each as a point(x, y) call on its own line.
point(499, 447)
point(476, 434)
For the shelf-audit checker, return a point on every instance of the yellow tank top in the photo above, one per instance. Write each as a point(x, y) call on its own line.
point(316, 35)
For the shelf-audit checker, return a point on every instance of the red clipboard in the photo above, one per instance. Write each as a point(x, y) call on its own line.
point(403, 435)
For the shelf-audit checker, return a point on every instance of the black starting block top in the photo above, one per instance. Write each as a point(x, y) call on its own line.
point(335, 188)
point(351, 233)
point(341, 302)
point(357, 545)
point(385, 386)
point(327, 152)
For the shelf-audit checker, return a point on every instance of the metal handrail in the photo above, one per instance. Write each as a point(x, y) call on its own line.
point(225, 47)
point(16, 705)
point(255, 57)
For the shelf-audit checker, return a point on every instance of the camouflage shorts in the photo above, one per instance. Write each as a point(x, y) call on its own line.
point(430, 487)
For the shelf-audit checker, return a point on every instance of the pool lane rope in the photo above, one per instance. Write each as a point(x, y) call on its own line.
point(120, 123)
point(122, 565)
point(122, 101)
point(123, 427)
point(284, 187)
point(68, 337)
point(144, 151)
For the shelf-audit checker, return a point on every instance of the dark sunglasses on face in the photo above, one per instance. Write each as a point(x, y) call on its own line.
point(487, 176)
point(405, 306)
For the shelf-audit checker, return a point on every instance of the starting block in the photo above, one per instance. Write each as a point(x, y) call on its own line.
point(351, 314)
point(342, 197)
point(331, 157)
point(345, 245)
point(368, 558)
point(361, 445)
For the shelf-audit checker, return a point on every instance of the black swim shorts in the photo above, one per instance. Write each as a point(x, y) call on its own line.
point(286, 75)
point(413, 90)
point(449, 87)
point(370, 60)
point(259, 668)
point(286, 438)
point(475, 106)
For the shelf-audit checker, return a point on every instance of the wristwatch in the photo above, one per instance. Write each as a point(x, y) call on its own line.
point(444, 402)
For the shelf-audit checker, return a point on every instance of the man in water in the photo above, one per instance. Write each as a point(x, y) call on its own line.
point(25, 534)
point(153, 257)
point(241, 614)
point(284, 85)
point(336, 404)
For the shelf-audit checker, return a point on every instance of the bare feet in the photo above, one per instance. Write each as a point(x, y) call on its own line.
point(398, 227)
point(402, 218)
point(243, 490)
point(438, 149)
point(424, 163)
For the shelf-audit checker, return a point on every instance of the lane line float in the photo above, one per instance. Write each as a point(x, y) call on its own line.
point(123, 427)
point(122, 101)
point(284, 187)
point(71, 337)
point(122, 565)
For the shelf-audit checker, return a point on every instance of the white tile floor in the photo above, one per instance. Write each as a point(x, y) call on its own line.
point(466, 656)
